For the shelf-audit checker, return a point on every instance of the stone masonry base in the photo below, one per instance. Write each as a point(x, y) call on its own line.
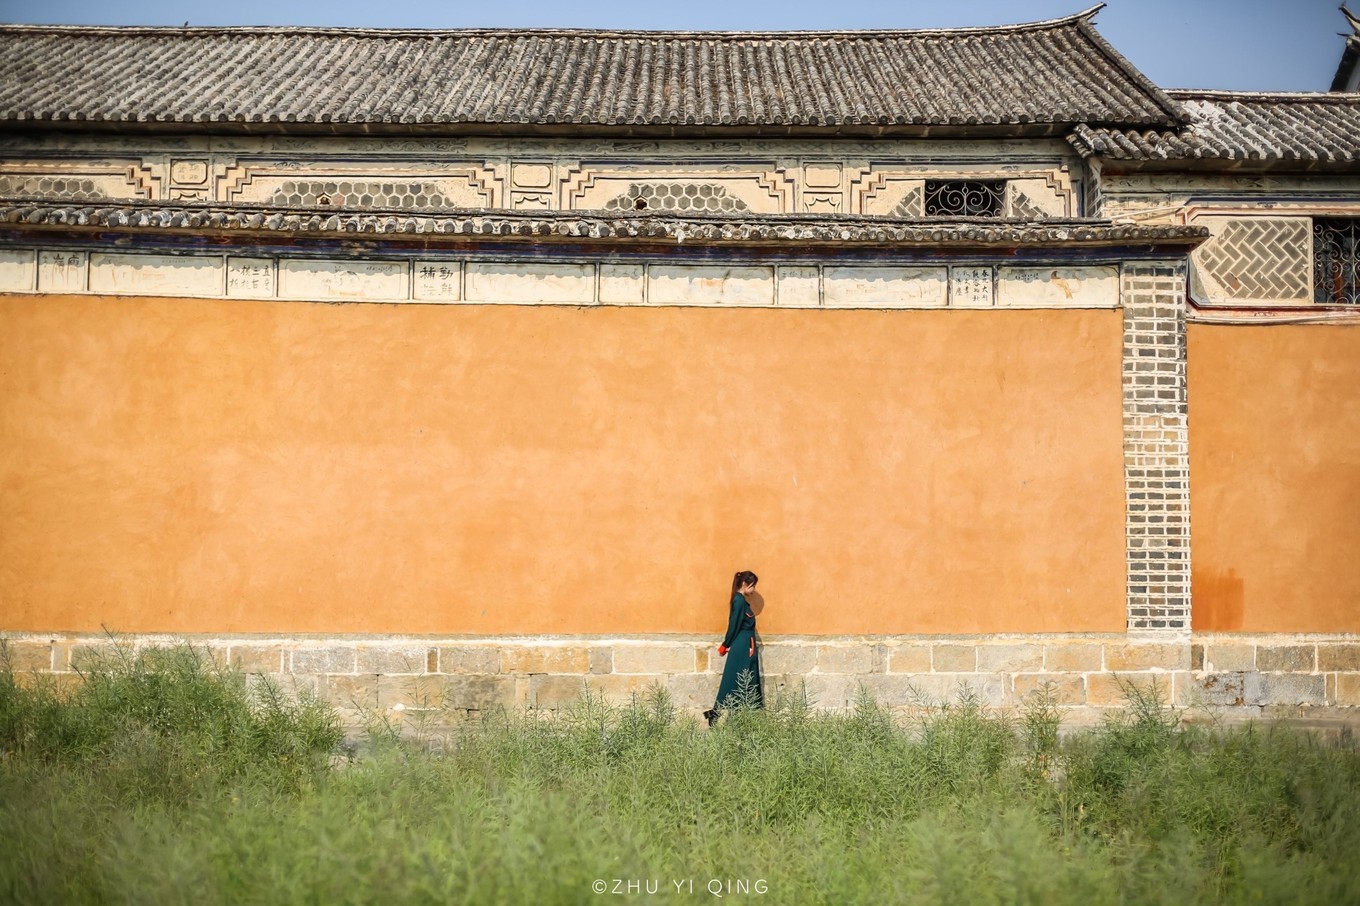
point(1231, 677)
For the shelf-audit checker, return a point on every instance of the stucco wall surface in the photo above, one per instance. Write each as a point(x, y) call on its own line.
point(175, 465)
point(1275, 477)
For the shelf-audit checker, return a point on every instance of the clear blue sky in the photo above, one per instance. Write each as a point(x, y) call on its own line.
point(1255, 45)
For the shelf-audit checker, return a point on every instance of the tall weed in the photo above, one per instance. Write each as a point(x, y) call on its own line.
point(157, 720)
point(962, 805)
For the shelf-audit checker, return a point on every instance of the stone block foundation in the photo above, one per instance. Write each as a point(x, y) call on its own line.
point(1228, 677)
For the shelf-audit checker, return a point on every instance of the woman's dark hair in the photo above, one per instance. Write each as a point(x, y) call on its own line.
point(745, 577)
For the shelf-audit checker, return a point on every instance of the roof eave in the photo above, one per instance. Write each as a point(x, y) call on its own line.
point(562, 130)
point(1219, 164)
point(794, 233)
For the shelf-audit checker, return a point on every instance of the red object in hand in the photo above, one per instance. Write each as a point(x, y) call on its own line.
point(722, 650)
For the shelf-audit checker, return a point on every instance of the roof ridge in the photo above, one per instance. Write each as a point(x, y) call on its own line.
point(712, 34)
point(1194, 94)
point(1121, 62)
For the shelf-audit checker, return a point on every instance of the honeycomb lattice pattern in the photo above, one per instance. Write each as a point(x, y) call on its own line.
point(360, 194)
point(676, 197)
point(74, 188)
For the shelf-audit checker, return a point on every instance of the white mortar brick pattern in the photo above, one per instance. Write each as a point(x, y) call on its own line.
point(1156, 448)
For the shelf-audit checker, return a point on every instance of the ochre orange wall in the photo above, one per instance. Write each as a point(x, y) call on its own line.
point(225, 466)
point(1275, 477)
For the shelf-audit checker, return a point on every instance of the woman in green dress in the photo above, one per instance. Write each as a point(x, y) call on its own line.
point(739, 646)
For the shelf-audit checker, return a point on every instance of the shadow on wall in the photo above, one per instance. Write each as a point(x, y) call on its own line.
point(1217, 601)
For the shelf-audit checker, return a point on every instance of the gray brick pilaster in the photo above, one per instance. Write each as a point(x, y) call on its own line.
point(1156, 447)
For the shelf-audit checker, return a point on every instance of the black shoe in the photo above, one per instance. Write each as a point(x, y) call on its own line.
point(711, 716)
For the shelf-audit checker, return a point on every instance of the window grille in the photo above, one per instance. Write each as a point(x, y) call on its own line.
point(964, 197)
point(1336, 261)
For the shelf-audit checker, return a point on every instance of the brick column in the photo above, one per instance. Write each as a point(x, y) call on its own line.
point(1156, 448)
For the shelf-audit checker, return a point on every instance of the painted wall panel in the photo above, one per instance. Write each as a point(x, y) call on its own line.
point(1096, 287)
point(692, 284)
point(885, 287)
point(301, 278)
point(529, 282)
point(18, 272)
point(118, 273)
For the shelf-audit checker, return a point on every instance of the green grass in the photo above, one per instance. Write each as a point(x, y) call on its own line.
point(163, 779)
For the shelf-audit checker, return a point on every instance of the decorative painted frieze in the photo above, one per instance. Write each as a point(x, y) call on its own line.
point(763, 177)
point(583, 282)
point(78, 180)
point(893, 189)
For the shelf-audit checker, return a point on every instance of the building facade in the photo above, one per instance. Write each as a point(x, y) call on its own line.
point(461, 369)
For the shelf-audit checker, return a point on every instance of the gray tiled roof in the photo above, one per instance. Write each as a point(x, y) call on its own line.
point(1317, 129)
point(795, 230)
point(1024, 79)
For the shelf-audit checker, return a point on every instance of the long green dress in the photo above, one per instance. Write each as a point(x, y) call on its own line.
point(744, 654)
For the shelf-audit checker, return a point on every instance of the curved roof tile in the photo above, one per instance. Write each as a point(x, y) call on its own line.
point(1039, 77)
point(788, 229)
point(1314, 128)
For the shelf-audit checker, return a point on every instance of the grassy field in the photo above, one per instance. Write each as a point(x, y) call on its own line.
point(162, 779)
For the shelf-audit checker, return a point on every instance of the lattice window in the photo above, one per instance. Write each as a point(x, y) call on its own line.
point(676, 197)
point(1336, 261)
point(1258, 258)
point(360, 194)
point(63, 187)
point(965, 197)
